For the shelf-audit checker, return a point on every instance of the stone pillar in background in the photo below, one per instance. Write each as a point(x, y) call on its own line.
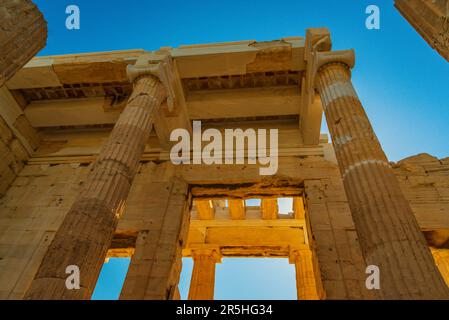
point(23, 34)
point(305, 276)
point(389, 234)
point(202, 283)
point(87, 230)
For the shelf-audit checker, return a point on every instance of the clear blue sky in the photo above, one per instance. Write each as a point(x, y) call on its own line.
point(401, 81)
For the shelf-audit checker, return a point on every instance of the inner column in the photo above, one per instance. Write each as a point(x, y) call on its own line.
point(305, 276)
point(202, 284)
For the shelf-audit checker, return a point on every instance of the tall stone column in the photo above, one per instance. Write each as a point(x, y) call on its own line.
point(202, 283)
point(389, 234)
point(305, 275)
point(23, 34)
point(87, 230)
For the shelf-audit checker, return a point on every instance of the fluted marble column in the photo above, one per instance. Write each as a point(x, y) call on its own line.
point(202, 284)
point(87, 230)
point(305, 275)
point(388, 232)
point(23, 33)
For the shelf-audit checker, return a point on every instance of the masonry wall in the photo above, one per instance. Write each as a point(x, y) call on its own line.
point(338, 258)
point(425, 182)
point(34, 206)
point(37, 201)
point(30, 214)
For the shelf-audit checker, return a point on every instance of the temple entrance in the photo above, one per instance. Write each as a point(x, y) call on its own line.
point(247, 278)
point(234, 228)
point(251, 221)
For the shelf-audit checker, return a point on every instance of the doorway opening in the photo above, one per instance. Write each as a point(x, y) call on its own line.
point(111, 279)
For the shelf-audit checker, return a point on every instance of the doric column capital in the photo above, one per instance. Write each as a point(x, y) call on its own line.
point(322, 59)
point(299, 253)
point(134, 72)
point(206, 251)
point(159, 66)
point(346, 57)
point(212, 252)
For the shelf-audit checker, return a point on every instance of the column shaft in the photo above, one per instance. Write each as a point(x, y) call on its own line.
point(387, 228)
point(87, 230)
point(23, 34)
point(305, 275)
point(202, 283)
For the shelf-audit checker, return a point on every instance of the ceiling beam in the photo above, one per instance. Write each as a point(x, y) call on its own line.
point(237, 209)
point(205, 209)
